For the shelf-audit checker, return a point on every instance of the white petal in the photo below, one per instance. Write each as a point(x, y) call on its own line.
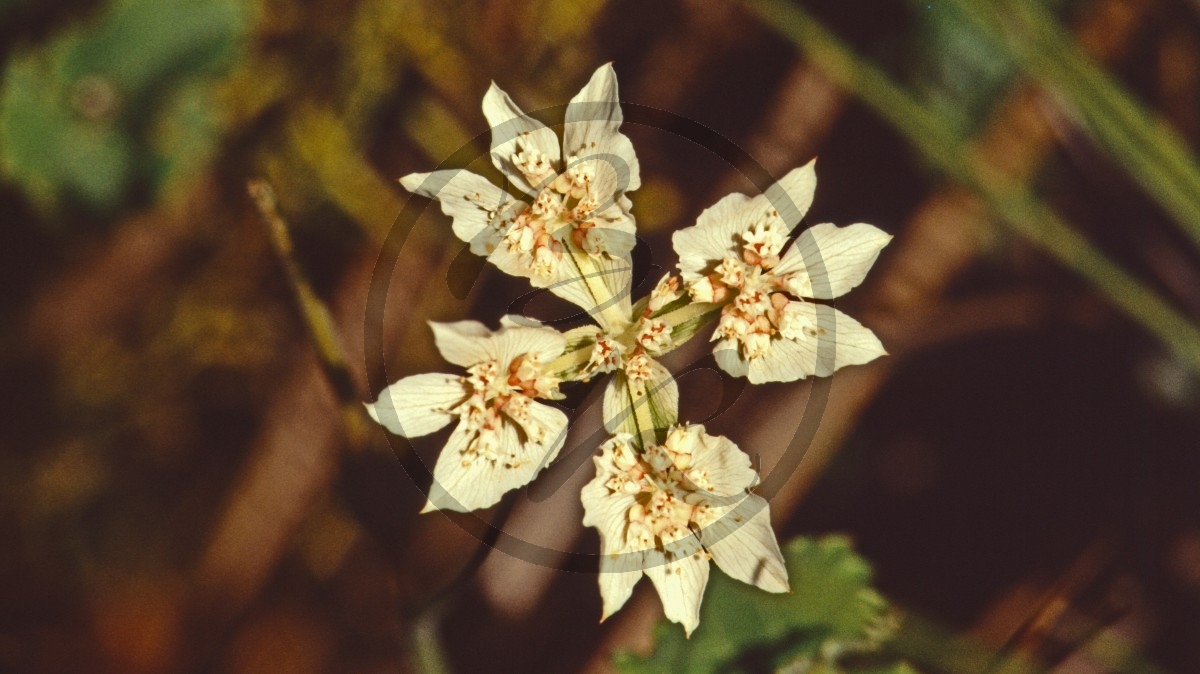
point(482, 483)
point(836, 259)
point(730, 359)
point(728, 467)
point(464, 343)
point(681, 581)
point(617, 410)
point(716, 234)
point(416, 405)
point(792, 195)
point(713, 237)
point(512, 341)
point(608, 512)
point(594, 116)
point(618, 277)
point(514, 131)
point(571, 283)
point(612, 213)
point(844, 342)
point(471, 200)
point(619, 573)
point(743, 545)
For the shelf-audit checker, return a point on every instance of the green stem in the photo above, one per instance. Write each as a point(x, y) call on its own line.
point(1151, 153)
point(317, 319)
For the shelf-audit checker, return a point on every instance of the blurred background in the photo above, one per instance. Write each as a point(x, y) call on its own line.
point(186, 483)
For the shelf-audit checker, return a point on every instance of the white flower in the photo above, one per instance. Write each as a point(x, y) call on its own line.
point(503, 437)
point(669, 510)
point(735, 251)
point(571, 231)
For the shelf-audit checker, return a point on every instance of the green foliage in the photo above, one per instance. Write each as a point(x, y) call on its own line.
point(944, 147)
point(956, 70)
point(128, 98)
point(831, 613)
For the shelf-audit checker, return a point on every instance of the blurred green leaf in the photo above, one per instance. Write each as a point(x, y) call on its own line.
point(935, 137)
point(956, 70)
point(78, 114)
point(831, 610)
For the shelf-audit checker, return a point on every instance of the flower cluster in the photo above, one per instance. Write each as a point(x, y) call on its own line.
point(668, 497)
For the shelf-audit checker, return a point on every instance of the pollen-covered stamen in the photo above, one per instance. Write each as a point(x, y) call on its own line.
point(654, 335)
point(763, 241)
point(578, 176)
point(664, 293)
point(509, 391)
point(668, 506)
point(708, 289)
point(532, 236)
point(589, 238)
point(526, 376)
point(533, 164)
point(638, 370)
point(798, 283)
point(746, 322)
point(606, 356)
point(732, 272)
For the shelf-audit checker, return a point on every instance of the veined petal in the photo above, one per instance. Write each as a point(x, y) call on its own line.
point(651, 392)
point(612, 212)
point(619, 573)
point(792, 195)
point(418, 405)
point(726, 466)
point(462, 482)
point(591, 129)
point(608, 512)
point(713, 237)
point(514, 132)
point(729, 358)
point(602, 508)
point(836, 340)
point(681, 581)
point(479, 209)
point(574, 284)
point(717, 232)
point(512, 341)
point(832, 260)
point(617, 273)
point(463, 343)
point(617, 411)
point(743, 545)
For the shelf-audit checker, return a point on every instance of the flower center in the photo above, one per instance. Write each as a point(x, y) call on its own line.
point(670, 500)
point(565, 213)
point(495, 391)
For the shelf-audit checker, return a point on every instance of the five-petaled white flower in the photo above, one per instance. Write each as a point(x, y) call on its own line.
point(735, 254)
point(572, 231)
point(503, 437)
point(669, 509)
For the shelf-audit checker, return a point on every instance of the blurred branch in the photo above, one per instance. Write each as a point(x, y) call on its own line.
point(317, 319)
point(1018, 207)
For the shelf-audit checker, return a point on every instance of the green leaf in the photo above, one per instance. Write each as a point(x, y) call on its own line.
point(832, 609)
point(126, 98)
